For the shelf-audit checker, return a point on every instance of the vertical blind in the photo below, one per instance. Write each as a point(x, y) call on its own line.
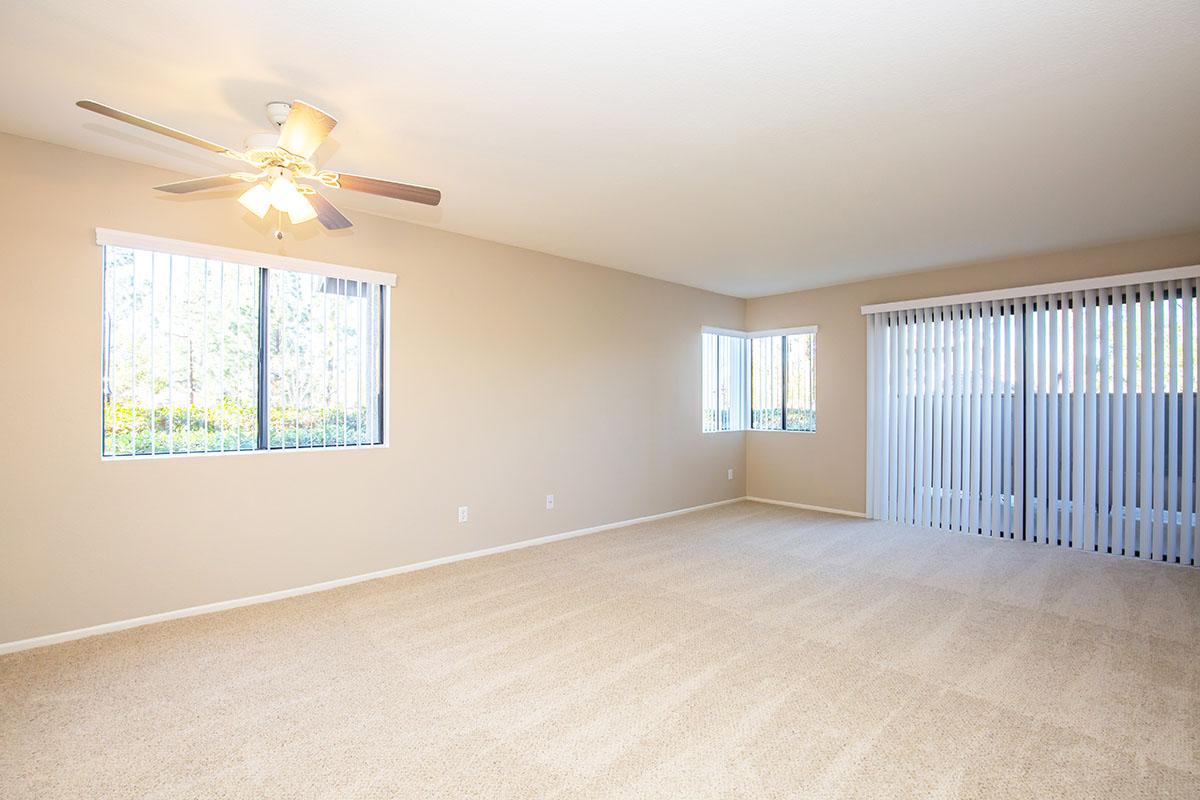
point(1066, 418)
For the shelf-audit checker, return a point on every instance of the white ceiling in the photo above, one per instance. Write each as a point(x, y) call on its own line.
point(745, 147)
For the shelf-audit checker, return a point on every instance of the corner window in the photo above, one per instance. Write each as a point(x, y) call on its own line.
point(202, 355)
point(759, 380)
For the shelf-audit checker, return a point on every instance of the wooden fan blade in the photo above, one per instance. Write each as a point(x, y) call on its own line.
point(304, 129)
point(327, 213)
point(400, 191)
point(121, 116)
point(199, 184)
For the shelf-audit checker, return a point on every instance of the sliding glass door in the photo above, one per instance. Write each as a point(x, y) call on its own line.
point(1065, 418)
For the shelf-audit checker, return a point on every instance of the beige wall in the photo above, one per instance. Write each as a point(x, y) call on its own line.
point(590, 376)
point(828, 468)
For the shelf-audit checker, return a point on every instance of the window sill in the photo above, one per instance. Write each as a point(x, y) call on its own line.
point(753, 430)
point(273, 451)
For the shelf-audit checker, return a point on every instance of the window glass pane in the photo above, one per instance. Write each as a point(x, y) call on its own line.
point(708, 357)
point(179, 367)
point(801, 382)
point(725, 390)
point(324, 359)
point(724, 382)
point(766, 383)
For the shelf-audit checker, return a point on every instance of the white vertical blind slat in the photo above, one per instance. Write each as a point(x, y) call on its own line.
point(987, 353)
point(921, 422)
point(1171, 504)
point(1116, 523)
point(1079, 377)
point(1009, 398)
point(999, 338)
point(989, 433)
point(1189, 428)
point(1129, 534)
point(872, 411)
point(896, 409)
point(910, 417)
point(904, 471)
point(1023, 431)
point(873, 415)
point(973, 463)
point(1146, 434)
point(1042, 327)
point(937, 401)
point(1157, 474)
point(958, 361)
point(927, 402)
point(1054, 464)
point(885, 443)
point(1102, 364)
point(1088, 475)
point(997, 425)
point(1065, 428)
point(1001, 416)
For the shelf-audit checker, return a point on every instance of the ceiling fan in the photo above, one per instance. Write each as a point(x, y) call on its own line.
point(281, 173)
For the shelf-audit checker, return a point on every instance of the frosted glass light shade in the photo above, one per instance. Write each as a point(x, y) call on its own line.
point(284, 194)
point(257, 200)
point(301, 210)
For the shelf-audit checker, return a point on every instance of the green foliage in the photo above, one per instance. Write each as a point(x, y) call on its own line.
point(228, 425)
point(318, 427)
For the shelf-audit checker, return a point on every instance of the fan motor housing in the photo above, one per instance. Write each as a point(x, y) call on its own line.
point(277, 112)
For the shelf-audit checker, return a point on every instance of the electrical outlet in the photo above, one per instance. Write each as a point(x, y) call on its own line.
point(730, 473)
point(462, 513)
point(549, 502)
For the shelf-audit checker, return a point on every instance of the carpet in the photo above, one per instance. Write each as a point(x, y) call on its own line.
point(742, 651)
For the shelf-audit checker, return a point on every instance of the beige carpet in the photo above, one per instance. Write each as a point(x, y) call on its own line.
point(745, 651)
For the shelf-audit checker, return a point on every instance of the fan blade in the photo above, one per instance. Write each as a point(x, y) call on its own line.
point(327, 213)
point(109, 111)
point(400, 191)
point(200, 184)
point(304, 129)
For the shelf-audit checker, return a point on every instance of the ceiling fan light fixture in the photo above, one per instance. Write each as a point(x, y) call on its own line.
point(301, 211)
point(284, 193)
point(277, 162)
point(257, 200)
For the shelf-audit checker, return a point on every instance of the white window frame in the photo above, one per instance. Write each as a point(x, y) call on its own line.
point(742, 408)
point(746, 420)
point(140, 241)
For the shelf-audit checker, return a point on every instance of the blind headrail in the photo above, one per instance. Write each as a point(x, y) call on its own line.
point(1083, 284)
point(161, 244)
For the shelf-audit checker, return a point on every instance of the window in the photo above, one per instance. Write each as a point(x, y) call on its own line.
point(759, 381)
point(783, 381)
point(725, 357)
point(324, 361)
point(203, 355)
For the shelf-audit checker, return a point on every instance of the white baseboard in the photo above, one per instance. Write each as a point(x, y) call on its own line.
point(843, 512)
point(225, 605)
